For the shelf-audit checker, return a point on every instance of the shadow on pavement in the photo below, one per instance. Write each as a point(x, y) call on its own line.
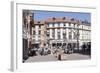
point(83, 52)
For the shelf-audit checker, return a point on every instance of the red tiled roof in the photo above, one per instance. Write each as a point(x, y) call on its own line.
point(61, 19)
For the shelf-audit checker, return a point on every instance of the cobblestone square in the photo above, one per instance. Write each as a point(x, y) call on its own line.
point(65, 57)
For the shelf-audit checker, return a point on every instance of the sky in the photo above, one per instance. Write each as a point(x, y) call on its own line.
point(42, 15)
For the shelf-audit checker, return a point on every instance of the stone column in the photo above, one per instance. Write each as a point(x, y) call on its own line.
point(61, 30)
point(56, 36)
point(50, 33)
point(37, 32)
point(50, 25)
point(72, 30)
point(67, 33)
point(61, 33)
point(56, 25)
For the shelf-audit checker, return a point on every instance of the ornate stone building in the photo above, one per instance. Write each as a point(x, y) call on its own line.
point(61, 32)
point(39, 34)
point(27, 32)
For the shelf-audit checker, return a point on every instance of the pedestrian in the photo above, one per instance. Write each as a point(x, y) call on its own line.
point(59, 57)
point(59, 54)
point(84, 47)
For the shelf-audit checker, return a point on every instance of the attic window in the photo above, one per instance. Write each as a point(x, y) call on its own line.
point(82, 21)
point(30, 16)
point(53, 18)
point(38, 21)
point(72, 19)
point(64, 18)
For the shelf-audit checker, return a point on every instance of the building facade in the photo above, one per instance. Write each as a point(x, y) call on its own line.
point(54, 32)
point(27, 32)
point(38, 34)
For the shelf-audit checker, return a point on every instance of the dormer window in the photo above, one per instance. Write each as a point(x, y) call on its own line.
point(82, 22)
point(72, 19)
point(54, 18)
point(64, 18)
point(38, 21)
